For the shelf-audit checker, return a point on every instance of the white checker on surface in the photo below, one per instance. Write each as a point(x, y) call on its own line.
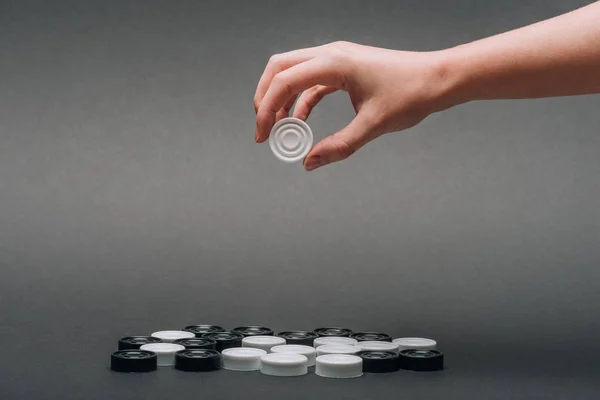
point(337, 349)
point(165, 352)
point(284, 364)
point(415, 343)
point(339, 366)
point(263, 342)
point(291, 140)
point(307, 351)
point(170, 336)
point(376, 345)
point(321, 341)
point(242, 358)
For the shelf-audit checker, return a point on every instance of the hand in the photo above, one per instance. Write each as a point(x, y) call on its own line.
point(390, 91)
point(395, 90)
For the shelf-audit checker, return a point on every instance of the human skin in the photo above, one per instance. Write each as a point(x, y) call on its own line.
point(394, 90)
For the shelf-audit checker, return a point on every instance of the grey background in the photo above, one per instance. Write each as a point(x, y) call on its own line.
point(133, 198)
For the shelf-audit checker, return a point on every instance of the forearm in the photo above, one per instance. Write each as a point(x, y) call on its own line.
point(556, 57)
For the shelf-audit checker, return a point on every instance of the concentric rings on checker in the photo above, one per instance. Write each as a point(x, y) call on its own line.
point(133, 361)
point(323, 340)
point(415, 343)
point(305, 338)
point(200, 330)
point(253, 330)
point(170, 336)
point(421, 360)
point(371, 336)
point(378, 345)
point(337, 332)
point(197, 343)
point(291, 139)
point(197, 360)
point(379, 361)
point(263, 342)
point(225, 340)
point(135, 342)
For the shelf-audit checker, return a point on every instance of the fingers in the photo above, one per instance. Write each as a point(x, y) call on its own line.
point(309, 99)
point(279, 63)
point(285, 110)
point(343, 143)
point(292, 81)
point(304, 105)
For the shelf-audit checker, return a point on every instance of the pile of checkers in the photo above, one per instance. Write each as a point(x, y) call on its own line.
point(333, 352)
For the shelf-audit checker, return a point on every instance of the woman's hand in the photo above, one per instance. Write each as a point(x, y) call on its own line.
point(390, 91)
point(395, 90)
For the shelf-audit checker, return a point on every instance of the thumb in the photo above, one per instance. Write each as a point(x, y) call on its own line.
point(341, 144)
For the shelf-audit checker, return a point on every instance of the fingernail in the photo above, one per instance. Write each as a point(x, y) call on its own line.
point(314, 163)
point(256, 131)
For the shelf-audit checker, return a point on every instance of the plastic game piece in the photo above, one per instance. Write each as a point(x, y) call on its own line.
point(339, 366)
point(135, 342)
point(164, 351)
point(170, 336)
point(337, 349)
point(197, 343)
point(199, 330)
point(284, 364)
point(320, 341)
point(291, 140)
point(371, 336)
point(337, 332)
point(377, 345)
point(225, 340)
point(421, 360)
point(304, 338)
point(242, 358)
point(308, 351)
point(263, 342)
point(197, 360)
point(253, 331)
point(415, 343)
point(379, 361)
point(133, 361)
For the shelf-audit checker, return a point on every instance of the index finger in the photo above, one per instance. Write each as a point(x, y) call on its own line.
point(317, 71)
point(279, 63)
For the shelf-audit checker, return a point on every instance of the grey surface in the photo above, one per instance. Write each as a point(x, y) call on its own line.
point(133, 198)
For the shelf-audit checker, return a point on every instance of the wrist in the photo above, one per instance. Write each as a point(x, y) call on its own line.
point(455, 82)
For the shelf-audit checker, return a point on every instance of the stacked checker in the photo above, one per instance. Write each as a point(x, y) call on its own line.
point(186, 350)
point(303, 338)
point(334, 352)
point(263, 342)
point(224, 340)
point(419, 354)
